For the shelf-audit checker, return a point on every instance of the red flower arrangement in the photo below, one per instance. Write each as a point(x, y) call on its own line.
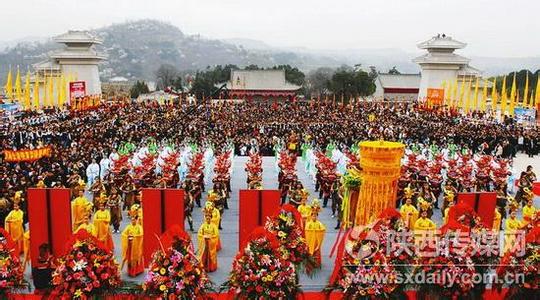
point(449, 272)
point(260, 272)
point(513, 264)
point(88, 268)
point(175, 272)
point(286, 227)
point(11, 272)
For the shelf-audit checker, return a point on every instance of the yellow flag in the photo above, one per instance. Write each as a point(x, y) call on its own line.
point(484, 97)
point(461, 93)
point(474, 103)
point(513, 96)
point(27, 92)
point(455, 96)
point(9, 86)
point(62, 91)
point(537, 95)
point(51, 91)
point(526, 92)
point(504, 98)
point(58, 90)
point(18, 88)
point(468, 96)
point(36, 91)
point(494, 99)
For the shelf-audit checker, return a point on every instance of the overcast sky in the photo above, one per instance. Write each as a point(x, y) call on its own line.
point(491, 28)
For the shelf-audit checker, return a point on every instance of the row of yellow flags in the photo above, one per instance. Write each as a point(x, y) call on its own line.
point(461, 97)
point(29, 98)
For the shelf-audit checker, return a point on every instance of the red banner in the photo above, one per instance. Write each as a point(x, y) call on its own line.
point(483, 204)
point(77, 89)
point(26, 155)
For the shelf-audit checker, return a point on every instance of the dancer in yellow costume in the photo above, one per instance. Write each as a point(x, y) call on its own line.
point(208, 237)
point(102, 220)
point(447, 210)
point(529, 211)
point(424, 232)
point(513, 227)
point(13, 224)
point(132, 246)
point(136, 209)
point(497, 220)
point(87, 225)
point(315, 231)
point(305, 210)
point(80, 207)
point(409, 213)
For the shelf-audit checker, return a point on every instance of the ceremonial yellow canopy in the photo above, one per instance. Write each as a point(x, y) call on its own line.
point(381, 167)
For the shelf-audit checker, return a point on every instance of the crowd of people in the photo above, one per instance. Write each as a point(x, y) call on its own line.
point(86, 144)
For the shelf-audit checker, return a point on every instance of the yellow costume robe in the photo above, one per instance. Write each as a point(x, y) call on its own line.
point(13, 224)
point(90, 228)
point(512, 226)
point(132, 249)
point(315, 231)
point(208, 237)
point(79, 209)
point(305, 212)
point(409, 215)
point(497, 220)
point(528, 213)
point(423, 236)
point(102, 219)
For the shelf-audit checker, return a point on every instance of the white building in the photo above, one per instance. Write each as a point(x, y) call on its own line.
point(397, 87)
point(79, 60)
point(441, 64)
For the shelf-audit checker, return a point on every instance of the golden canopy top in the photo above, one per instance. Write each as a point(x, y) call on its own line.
point(381, 145)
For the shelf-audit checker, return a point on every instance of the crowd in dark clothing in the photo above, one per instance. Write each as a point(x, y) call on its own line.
point(78, 137)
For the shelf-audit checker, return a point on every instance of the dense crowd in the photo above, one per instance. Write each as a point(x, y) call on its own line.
point(79, 138)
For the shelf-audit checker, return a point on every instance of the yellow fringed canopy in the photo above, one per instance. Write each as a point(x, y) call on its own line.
point(381, 167)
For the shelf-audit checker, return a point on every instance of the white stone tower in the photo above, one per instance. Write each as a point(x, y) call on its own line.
point(78, 58)
point(442, 64)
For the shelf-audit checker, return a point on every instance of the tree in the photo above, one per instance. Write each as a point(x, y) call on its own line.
point(166, 75)
point(292, 75)
point(393, 71)
point(317, 82)
point(349, 82)
point(138, 88)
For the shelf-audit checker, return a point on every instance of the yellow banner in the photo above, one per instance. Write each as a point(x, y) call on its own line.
point(26, 155)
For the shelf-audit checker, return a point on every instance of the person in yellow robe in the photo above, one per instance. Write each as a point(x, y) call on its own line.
point(409, 213)
point(208, 237)
point(216, 217)
point(80, 207)
point(136, 209)
point(13, 224)
point(529, 211)
point(87, 225)
point(513, 228)
point(305, 211)
point(424, 233)
point(497, 220)
point(102, 220)
point(314, 232)
point(132, 247)
point(447, 210)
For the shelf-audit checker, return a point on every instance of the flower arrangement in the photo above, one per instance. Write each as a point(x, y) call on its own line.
point(11, 271)
point(527, 265)
point(259, 271)
point(452, 261)
point(88, 268)
point(175, 272)
point(292, 243)
point(373, 278)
